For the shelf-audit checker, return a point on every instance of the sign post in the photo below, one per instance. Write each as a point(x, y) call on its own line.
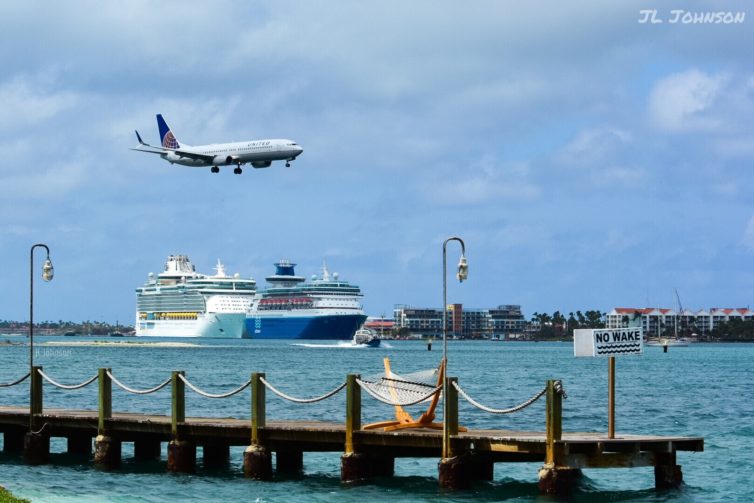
point(609, 343)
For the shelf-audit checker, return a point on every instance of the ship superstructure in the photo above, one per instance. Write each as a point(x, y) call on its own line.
point(325, 307)
point(181, 302)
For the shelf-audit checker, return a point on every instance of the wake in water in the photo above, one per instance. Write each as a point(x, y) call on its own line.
point(337, 345)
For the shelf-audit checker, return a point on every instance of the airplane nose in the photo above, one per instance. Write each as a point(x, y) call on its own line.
point(299, 150)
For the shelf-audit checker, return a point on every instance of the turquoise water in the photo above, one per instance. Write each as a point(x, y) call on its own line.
point(701, 390)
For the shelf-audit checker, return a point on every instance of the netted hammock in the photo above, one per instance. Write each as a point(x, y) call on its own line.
point(405, 390)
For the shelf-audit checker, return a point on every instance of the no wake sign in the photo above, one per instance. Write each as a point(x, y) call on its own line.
point(608, 342)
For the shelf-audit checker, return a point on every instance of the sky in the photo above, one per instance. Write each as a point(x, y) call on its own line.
point(587, 159)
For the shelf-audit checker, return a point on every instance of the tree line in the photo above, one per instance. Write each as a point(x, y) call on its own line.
point(83, 327)
point(558, 326)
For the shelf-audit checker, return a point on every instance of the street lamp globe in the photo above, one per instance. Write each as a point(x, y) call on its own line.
point(47, 270)
point(463, 269)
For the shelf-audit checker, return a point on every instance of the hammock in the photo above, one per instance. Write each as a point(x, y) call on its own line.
point(402, 390)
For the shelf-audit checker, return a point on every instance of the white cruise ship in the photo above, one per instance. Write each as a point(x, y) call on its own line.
point(183, 303)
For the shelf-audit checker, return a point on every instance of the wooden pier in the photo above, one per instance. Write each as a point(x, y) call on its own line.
point(365, 453)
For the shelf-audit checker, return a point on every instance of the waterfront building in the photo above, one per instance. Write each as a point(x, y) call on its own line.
point(381, 326)
point(501, 322)
point(657, 322)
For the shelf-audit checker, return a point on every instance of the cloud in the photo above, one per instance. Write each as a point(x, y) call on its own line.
point(594, 145)
point(28, 101)
point(602, 157)
point(481, 182)
point(687, 101)
point(747, 240)
point(56, 181)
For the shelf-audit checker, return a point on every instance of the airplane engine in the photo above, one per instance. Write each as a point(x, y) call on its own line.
point(261, 164)
point(227, 160)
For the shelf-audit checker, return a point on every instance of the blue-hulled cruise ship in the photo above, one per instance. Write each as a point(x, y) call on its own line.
point(293, 308)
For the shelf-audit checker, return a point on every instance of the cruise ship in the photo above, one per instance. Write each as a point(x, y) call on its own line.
point(290, 307)
point(180, 302)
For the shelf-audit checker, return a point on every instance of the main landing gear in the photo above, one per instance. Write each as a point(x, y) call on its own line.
point(238, 170)
point(214, 169)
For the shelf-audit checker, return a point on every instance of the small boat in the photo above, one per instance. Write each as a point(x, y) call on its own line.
point(668, 342)
point(365, 337)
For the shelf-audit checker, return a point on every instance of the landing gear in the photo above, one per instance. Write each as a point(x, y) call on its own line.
point(214, 169)
point(238, 170)
point(287, 164)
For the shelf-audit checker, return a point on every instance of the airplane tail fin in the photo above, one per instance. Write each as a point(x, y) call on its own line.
point(167, 138)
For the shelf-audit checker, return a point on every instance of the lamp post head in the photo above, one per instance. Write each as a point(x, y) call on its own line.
point(463, 269)
point(47, 270)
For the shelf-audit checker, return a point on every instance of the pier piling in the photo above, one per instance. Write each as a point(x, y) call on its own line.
point(257, 463)
point(354, 466)
point(554, 477)
point(107, 450)
point(181, 456)
point(107, 453)
point(181, 453)
point(257, 459)
point(36, 448)
point(668, 474)
point(454, 469)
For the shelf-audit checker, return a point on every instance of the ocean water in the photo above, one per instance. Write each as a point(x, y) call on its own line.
point(701, 390)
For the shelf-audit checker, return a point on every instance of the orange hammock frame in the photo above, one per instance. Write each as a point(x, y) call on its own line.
point(403, 419)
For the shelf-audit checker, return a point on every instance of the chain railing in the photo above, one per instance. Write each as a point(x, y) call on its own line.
point(66, 386)
point(301, 400)
point(212, 395)
point(511, 410)
point(19, 381)
point(136, 391)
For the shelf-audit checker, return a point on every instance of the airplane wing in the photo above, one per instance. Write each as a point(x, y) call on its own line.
point(151, 149)
point(194, 155)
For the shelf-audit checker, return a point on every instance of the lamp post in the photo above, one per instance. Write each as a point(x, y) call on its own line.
point(462, 274)
point(47, 274)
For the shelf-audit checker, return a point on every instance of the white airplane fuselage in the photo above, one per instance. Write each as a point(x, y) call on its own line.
point(259, 153)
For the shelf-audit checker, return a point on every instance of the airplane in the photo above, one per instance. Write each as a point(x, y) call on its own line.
point(259, 153)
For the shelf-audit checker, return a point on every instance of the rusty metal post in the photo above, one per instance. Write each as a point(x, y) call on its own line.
point(611, 397)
